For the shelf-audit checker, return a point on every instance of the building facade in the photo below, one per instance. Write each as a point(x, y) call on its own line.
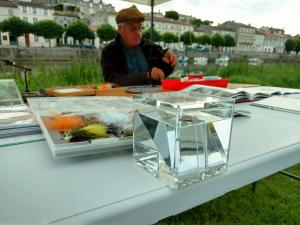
point(259, 38)
point(244, 35)
point(162, 25)
point(33, 12)
point(274, 43)
point(7, 9)
point(274, 39)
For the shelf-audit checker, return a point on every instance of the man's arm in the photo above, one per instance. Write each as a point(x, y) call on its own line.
point(162, 59)
point(170, 58)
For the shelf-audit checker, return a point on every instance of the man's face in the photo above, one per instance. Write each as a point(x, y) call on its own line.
point(131, 34)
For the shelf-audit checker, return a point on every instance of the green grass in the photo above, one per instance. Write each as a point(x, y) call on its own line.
point(89, 72)
point(275, 74)
point(277, 198)
point(78, 73)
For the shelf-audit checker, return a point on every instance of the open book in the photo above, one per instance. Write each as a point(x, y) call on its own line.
point(242, 94)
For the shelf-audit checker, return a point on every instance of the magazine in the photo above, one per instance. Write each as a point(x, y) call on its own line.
point(281, 103)
point(242, 94)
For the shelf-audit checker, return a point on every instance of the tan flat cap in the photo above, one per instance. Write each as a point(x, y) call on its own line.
point(129, 15)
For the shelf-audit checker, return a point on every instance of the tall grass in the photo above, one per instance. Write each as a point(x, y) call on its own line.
point(275, 74)
point(89, 72)
point(78, 73)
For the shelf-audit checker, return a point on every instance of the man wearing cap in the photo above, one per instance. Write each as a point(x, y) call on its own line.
point(132, 60)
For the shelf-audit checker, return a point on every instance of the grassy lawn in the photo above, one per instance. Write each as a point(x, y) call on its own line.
point(277, 198)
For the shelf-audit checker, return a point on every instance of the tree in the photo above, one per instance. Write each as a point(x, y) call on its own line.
point(229, 41)
point(106, 32)
point(16, 27)
point(156, 37)
point(203, 40)
point(169, 37)
point(58, 7)
point(188, 38)
point(79, 31)
point(198, 22)
point(207, 22)
point(290, 45)
point(217, 40)
point(297, 40)
point(172, 15)
point(48, 29)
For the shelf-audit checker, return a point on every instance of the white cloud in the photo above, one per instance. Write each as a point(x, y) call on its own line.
point(273, 13)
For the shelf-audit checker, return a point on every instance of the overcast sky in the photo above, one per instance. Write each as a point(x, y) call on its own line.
point(272, 13)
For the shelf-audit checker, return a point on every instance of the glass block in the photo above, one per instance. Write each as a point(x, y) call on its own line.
point(182, 137)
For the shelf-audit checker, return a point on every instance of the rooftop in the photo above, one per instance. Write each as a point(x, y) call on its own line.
point(7, 4)
point(34, 4)
point(167, 20)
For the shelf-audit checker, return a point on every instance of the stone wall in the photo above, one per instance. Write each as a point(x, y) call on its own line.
point(48, 54)
point(67, 54)
point(244, 56)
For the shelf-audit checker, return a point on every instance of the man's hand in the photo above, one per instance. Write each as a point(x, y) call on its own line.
point(157, 74)
point(170, 58)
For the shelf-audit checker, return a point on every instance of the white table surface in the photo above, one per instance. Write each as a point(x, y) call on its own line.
point(109, 188)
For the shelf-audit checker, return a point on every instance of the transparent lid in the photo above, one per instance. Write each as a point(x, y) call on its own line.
point(81, 104)
point(181, 100)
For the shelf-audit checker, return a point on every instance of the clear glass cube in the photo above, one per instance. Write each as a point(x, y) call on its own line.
point(182, 137)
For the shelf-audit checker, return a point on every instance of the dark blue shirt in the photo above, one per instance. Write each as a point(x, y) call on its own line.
point(136, 60)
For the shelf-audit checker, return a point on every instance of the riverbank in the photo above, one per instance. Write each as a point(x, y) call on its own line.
point(65, 54)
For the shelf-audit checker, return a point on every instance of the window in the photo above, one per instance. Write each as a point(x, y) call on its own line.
point(24, 9)
point(34, 10)
point(10, 12)
point(25, 19)
point(34, 20)
point(45, 12)
point(36, 38)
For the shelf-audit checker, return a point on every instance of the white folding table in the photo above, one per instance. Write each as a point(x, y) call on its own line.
point(110, 189)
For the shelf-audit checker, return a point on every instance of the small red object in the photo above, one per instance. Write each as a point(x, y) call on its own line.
point(177, 84)
point(195, 76)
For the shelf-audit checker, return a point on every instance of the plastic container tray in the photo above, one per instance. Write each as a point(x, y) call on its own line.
point(177, 84)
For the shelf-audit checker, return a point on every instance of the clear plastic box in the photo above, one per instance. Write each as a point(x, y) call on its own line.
point(183, 137)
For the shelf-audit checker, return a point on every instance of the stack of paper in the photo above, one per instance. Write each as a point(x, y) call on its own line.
point(16, 119)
